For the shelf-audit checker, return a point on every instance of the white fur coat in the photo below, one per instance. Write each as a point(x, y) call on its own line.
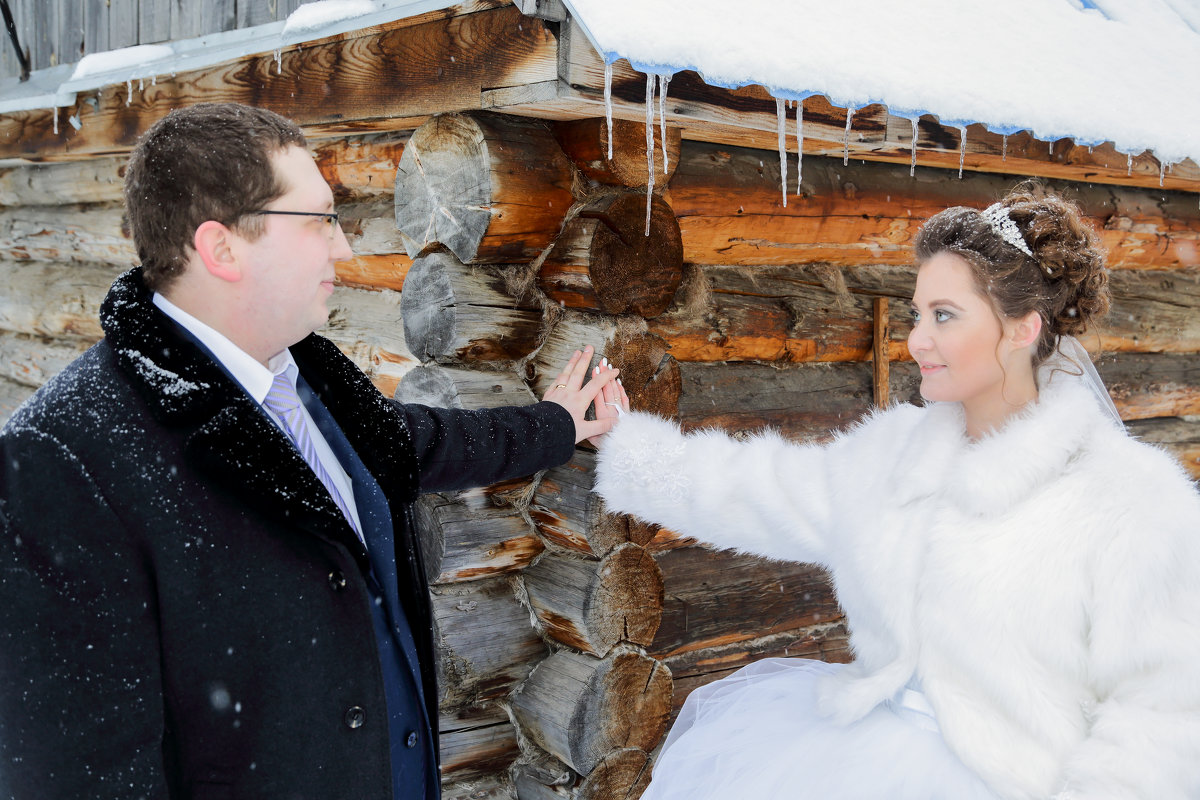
point(1042, 584)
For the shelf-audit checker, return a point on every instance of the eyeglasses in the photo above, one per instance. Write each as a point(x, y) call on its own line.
point(330, 217)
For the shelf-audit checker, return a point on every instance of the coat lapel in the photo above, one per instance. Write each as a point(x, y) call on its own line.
point(227, 436)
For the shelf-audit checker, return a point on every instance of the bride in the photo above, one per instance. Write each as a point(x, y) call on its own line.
point(1021, 577)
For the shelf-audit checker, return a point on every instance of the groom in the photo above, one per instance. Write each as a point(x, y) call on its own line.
point(209, 579)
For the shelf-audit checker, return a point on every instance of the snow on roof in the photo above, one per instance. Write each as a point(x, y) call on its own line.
point(1093, 70)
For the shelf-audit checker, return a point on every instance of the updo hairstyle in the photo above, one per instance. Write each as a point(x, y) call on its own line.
point(1065, 280)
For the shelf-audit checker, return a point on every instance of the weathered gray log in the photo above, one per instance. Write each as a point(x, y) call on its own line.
point(451, 387)
point(585, 141)
point(66, 234)
point(453, 313)
point(568, 515)
point(12, 394)
point(623, 773)
point(53, 299)
point(1146, 385)
point(488, 187)
point(365, 325)
point(604, 261)
point(692, 669)
point(593, 605)
point(490, 787)
point(96, 180)
point(478, 742)
point(648, 372)
point(485, 643)
point(580, 708)
point(718, 598)
point(33, 360)
point(463, 540)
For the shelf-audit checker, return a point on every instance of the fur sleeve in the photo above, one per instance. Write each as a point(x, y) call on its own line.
point(1144, 643)
point(763, 495)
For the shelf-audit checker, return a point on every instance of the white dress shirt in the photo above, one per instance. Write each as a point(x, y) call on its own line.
point(256, 380)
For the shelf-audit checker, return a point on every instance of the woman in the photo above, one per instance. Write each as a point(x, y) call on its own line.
point(1021, 578)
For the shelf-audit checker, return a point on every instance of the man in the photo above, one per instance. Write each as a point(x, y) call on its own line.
point(209, 583)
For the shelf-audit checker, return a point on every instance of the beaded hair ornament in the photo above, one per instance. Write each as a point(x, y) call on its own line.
point(997, 218)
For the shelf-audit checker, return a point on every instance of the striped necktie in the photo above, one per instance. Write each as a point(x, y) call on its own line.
point(285, 403)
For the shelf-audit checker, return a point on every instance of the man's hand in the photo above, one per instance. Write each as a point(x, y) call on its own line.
point(570, 392)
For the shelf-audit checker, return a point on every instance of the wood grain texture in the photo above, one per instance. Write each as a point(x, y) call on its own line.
point(586, 143)
point(580, 708)
point(595, 605)
point(451, 387)
point(464, 541)
point(485, 644)
point(623, 773)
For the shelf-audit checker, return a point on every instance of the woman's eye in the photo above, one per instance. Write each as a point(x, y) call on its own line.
point(916, 315)
point(942, 316)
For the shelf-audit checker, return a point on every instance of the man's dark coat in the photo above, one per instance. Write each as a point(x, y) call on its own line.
point(183, 609)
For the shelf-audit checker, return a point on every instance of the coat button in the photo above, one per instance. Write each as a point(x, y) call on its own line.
point(337, 580)
point(411, 740)
point(356, 717)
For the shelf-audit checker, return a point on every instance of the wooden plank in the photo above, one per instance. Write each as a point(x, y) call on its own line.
point(43, 40)
point(747, 116)
point(120, 18)
point(716, 598)
point(731, 212)
point(189, 20)
point(387, 77)
point(154, 21)
point(258, 12)
point(71, 43)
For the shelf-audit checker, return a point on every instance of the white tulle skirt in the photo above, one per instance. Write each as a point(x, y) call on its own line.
point(757, 735)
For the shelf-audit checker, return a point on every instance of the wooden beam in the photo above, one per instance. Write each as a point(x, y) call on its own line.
point(747, 116)
point(387, 77)
point(880, 359)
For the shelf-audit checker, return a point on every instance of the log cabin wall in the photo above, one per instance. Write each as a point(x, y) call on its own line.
point(568, 637)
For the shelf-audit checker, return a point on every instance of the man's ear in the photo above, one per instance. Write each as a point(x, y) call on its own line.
point(1026, 330)
point(213, 243)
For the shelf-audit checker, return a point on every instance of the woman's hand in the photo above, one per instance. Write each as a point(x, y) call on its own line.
point(570, 392)
point(613, 400)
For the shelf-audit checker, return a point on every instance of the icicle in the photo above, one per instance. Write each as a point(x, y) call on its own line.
point(1129, 163)
point(608, 103)
point(141, 84)
point(781, 125)
point(846, 143)
point(1004, 148)
point(128, 92)
point(154, 80)
point(278, 60)
point(1051, 148)
point(912, 167)
point(663, 80)
point(1162, 171)
point(799, 145)
point(650, 77)
point(56, 120)
point(962, 150)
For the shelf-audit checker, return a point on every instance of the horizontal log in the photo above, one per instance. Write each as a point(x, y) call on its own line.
point(594, 605)
point(605, 260)
point(719, 598)
point(580, 708)
point(387, 77)
point(823, 313)
point(360, 166)
point(31, 361)
point(489, 787)
point(476, 743)
point(586, 143)
point(568, 515)
point(452, 387)
point(650, 375)
point(366, 326)
point(485, 644)
point(464, 541)
point(53, 300)
point(99, 180)
point(487, 187)
point(1146, 385)
point(695, 668)
point(67, 234)
point(731, 211)
point(747, 115)
point(454, 312)
point(12, 394)
point(374, 272)
point(622, 773)
point(1179, 437)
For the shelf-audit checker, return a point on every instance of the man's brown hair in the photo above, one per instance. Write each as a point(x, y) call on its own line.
point(210, 161)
